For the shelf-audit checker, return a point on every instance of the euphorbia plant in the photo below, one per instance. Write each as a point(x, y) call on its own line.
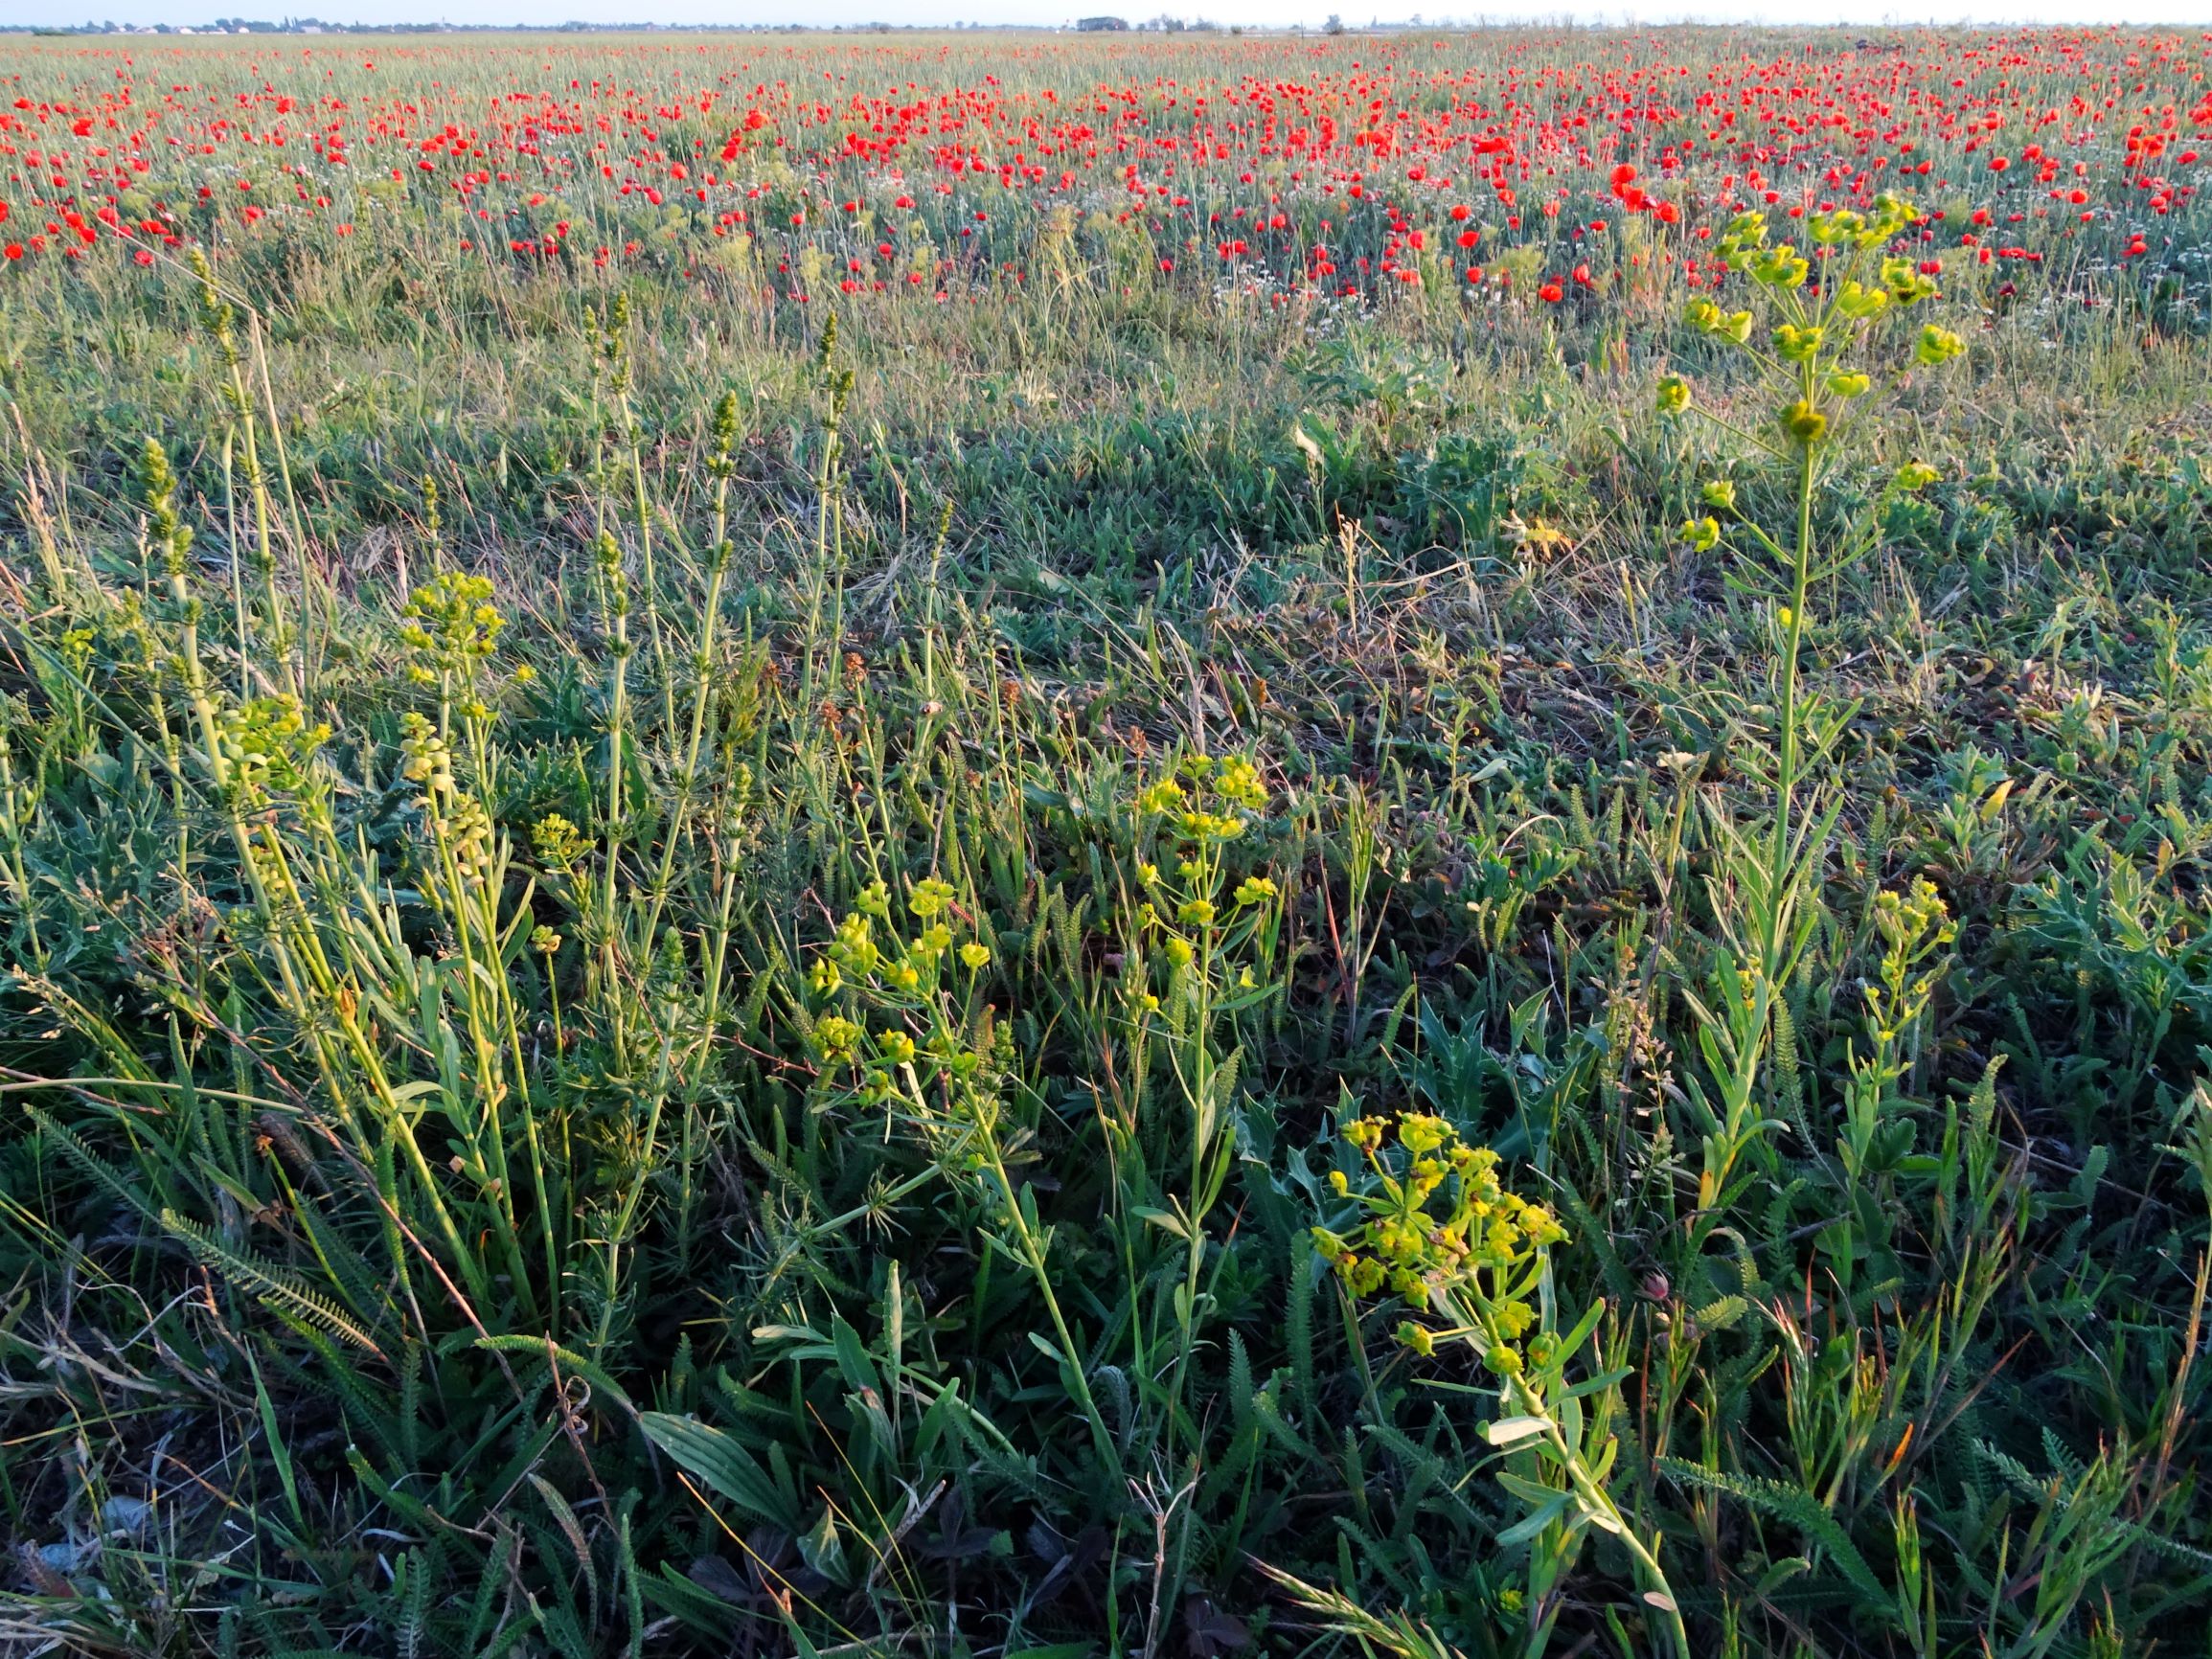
point(1437, 1227)
point(1818, 343)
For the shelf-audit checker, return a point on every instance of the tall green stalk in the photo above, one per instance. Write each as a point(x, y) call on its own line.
point(1803, 360)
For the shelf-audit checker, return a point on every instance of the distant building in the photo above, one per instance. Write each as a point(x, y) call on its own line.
point(1093, 25)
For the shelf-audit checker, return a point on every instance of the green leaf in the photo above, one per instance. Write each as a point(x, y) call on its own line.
point(1599, 1384)
point(1571, 1344)
point(1533, 1523)
point(726, 1467)
point(859, 1370)
point(1797, 1507)
point(1513, 1430)
point(561, 1359)
point(1528, 1490)
point(1167, 1221)
point(1721, 1314)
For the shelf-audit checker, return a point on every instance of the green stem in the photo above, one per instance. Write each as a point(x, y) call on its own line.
point(1786, 770)
point(1593, 1496)
point(1033, 1258)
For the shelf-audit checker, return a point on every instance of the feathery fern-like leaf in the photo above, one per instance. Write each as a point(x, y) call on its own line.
point(275, 1286)
point(1794, 1505)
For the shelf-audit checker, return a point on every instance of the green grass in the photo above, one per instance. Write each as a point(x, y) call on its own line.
point(499, 1160)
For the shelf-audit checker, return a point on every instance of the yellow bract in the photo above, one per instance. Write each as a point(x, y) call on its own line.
point(1440, 1230)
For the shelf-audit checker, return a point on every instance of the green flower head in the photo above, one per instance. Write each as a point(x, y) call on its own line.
point(1937, 346)
point(1803, 424)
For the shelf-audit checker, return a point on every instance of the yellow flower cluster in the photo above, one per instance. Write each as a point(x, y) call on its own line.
point(267, 743)
point(559, 842)
point(1440, 1230)
point(1192, 815)
point(457, 819)
point(451, 622)
point(1205, 809)
point(425, 758)
point(1908, 919)
point(1708, 318)
point(900, 966)
point(868, 957)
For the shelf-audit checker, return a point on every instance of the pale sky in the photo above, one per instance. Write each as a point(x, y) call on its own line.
point(1264, 12)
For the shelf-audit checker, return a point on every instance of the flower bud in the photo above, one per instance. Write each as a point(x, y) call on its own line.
point(1937, 346)
point(1803, 424)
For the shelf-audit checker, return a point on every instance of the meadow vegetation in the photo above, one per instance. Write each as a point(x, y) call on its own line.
point(1192, 846)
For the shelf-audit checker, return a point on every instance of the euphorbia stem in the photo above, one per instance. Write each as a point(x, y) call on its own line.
point(1593, 1497)
point(1032, 1257)
point(1786, 767)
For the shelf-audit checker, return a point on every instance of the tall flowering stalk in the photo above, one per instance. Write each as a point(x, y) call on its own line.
point(1814, 343)
point(260, 759)
point(1207, 932)
point(897, 1002)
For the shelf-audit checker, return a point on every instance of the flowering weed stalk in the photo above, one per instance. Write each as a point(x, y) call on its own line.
point(1433, 1225)
point(1810, 336)
point(914, 1052)
point(1209, 934)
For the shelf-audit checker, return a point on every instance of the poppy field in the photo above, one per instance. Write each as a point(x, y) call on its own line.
point(1158, 844)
